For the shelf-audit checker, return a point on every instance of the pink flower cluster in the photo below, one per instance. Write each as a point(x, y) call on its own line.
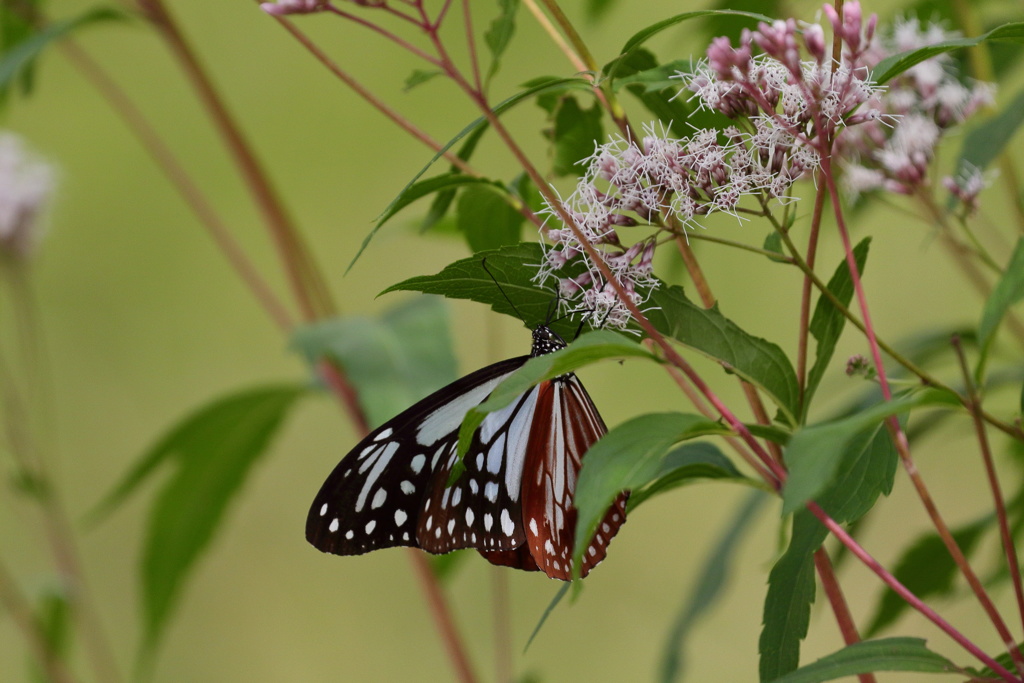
point(284, 7)
point(806, 98)
point(895, 152)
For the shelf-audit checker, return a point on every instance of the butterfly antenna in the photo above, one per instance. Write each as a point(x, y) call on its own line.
point(483, 262)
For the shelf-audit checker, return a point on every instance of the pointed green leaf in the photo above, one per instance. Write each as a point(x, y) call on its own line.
point(441, 183)
point(513, 267)
point(815, 454)
point(392, 362)
point(439, 207)
point(546, 85)
point(708, 588)
point(893, 66)
point(500, 33)
point(487, 219)
point(547, 613)
point(686, 464)
point(756, 360)
point(628, 457)
point(577, 131)
point(888, 654)
point(419, 77)
point(828, 321)
point(927, 569)
point(1008, 291)
point(212, 452)
point(16, 59)
point(610, 69)
point(984, 143)
point(871, 463)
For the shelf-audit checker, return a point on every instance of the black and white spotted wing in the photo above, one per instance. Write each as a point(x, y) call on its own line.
point(373, 497)
point(513, 502)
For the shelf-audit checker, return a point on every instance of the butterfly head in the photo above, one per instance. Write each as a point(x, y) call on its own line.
point(545, 341)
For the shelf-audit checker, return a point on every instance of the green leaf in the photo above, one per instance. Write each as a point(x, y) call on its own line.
point(756, 360)
point(547, 613)
point(587, 349)
point(445, 182)
point(773, 243)
point(888, 654)
point(732, 26)
point(828, 321)
point(652, 84)
point(893, 66)
point(626, 458)
point(54, 623)
point(610, 69)
point(576, 132)
point(392, 362)
point(540, 87)
point(927, 569)
point(686, 464)
point(212, 452)
point(596, 9)
point(18, 59)
point(984, 143)
point(513, 268)
point(439, 207)
point(419, 77)
point(707, 589)
point(487, 219)
point(1008, 291)
point(815, 455)
point(871, 464)
point(500, 33)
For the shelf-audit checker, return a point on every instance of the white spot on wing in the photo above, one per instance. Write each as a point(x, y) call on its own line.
point(488, 521)
point(334, 525)
point(384, 434)
point(350, 534)
point(491, 491)
point(469, 517)
point(378, 467)
point(323, 509)
point(378, 499)
point(407, 487)
point(400, 517)
point(506, 523)
point(533, 526)
point(417, 463)
point(370, 526)
point(496, 454)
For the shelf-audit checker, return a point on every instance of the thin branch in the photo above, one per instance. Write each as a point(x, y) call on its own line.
point(993, 480)
point(306, 281)
point(180, 179)
point(915, 602)
point(840, 608)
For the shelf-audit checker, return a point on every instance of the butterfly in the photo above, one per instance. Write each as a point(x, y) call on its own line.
point(513, 502)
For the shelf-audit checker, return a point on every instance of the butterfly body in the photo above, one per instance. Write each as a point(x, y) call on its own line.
point(513, 502)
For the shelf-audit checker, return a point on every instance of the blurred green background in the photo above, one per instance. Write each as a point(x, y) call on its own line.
point(144, 322)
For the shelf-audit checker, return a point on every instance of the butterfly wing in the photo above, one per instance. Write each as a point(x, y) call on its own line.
point(567, 424)
point(374, 496)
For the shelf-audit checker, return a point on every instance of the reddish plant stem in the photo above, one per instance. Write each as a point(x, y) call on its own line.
point(871, 563)
point(442, 615)
point(180, 179)
point(474, 60)
point(900, 438)
point(993, 479)
point(397, 40)
point(306, 283)
point(396, 118)
point(840, 608)
point(805, 295)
